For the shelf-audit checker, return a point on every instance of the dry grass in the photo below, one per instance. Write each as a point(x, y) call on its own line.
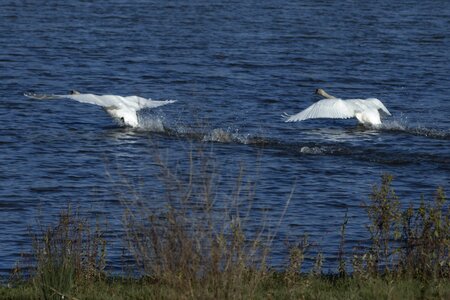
point(198, 246)
point(410, 242)
point(198, 239)
point(67, 255)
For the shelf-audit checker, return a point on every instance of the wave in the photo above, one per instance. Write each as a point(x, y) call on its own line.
point(372, 154)
point(402, 127)
point(361, 152)
point(156, 123)
point(225, 136)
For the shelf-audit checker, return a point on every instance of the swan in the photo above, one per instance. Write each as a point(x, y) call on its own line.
point(122, 109)
point(365, 110)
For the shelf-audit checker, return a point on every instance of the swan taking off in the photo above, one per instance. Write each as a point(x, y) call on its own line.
point(365, 110)
point(122, 109)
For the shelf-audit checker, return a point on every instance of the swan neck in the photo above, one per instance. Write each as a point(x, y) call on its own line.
point(328, 96)
point(324, 94)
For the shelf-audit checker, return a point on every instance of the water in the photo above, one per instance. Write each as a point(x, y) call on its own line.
point(234, 69)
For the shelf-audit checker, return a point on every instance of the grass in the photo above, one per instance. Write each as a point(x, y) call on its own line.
point(272, 287)
point(197, 248)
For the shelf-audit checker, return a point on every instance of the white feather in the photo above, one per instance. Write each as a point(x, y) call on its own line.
point(365, 110)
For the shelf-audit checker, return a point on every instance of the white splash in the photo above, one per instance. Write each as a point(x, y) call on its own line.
point(225, 136)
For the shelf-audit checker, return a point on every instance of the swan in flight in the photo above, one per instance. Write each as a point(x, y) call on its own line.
point(122, 109)
point(367, 111)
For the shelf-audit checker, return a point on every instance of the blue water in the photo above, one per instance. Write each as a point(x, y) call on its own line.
point(234, 69)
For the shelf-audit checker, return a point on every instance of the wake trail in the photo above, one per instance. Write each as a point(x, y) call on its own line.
point(363, 152)
point(399, 126)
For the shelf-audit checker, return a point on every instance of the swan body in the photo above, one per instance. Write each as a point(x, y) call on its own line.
point(122, 109)
point(366, 111)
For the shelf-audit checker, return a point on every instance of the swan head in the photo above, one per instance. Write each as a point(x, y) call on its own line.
point(74, 92)
point(322, 93)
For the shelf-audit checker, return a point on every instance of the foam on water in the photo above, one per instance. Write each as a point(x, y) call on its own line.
point(153, 123)
point(225, 136)
point(337, 147)
point(401, 125)
point(311, 150)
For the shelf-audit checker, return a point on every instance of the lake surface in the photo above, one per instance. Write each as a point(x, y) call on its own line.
point(234, 69)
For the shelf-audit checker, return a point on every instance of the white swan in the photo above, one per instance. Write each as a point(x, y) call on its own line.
point(122, 109)
point(365, 110)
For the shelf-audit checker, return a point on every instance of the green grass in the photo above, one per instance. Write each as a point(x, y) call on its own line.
point(274, 286)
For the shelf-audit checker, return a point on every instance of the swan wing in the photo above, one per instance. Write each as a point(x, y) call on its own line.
point(140, 102)
point(368, 104)
point(103, 100)
point(378, 105)
point(130, 102)
point(327, 108)
point(109, 102)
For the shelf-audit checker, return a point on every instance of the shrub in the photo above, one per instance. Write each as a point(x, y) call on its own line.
point(68, 254)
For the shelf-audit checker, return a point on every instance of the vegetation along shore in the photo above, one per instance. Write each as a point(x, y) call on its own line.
point(188, 251)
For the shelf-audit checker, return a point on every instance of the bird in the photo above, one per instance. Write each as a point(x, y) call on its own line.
point(366, 111)
point(121, 108)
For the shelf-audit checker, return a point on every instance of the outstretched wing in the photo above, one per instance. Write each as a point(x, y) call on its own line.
point(129, 102)
point(326, 108)
point(104, 100)
point(147, 103)
point(378, 105)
